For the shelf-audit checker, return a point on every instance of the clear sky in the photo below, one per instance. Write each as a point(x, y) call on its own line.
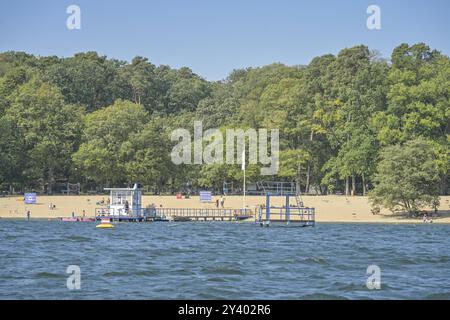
point(214, 37)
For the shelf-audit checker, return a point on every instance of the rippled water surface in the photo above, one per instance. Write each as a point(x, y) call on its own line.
point(222, 261)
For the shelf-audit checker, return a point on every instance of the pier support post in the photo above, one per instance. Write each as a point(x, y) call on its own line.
point(268, 206)
point(288, 209)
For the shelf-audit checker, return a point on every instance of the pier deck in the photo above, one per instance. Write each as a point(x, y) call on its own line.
point(176, 214)
point(295, 216)
point(205, 214)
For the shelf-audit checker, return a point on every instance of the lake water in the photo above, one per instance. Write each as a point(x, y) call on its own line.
point(220, 260)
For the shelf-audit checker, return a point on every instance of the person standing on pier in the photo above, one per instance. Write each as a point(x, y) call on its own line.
point(127, 207)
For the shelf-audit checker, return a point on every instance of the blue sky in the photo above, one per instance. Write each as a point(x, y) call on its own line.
point(215, 37)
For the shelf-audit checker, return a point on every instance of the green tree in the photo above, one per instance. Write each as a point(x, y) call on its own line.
point(49, 130)
point(407, 177)
point(357, 79)
point(87, 79)
point(148, 155)
point(102, 156)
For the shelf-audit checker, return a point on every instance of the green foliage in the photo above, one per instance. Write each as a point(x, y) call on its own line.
point(103, 154)
point(407, 177)
point(43, 129)
point(103, 122)
point(148, 155)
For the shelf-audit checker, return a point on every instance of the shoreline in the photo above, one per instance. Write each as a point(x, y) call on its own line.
point(331, 208)
point(389, 222)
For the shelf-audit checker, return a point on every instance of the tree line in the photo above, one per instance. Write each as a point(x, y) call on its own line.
point(353, 123)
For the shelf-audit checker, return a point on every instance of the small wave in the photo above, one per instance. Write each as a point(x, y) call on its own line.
point(116, 274)
point(438, 296)
point(349, 287)
point(208, 296)
point(78, 238)
point(405, 261)
point(223, 270)
point(147, 272)
point(216, 279)
point(182, 272)
point(316, 260)
point(322, 296)
point(132, 273)
point(49, 275)
point(422, 260)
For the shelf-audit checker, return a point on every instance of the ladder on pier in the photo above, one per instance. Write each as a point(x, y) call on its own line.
point(298, 200)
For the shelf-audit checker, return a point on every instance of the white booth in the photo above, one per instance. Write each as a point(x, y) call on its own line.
point(125, 201)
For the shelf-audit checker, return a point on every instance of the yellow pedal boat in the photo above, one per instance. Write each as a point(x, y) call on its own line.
point(104, 225)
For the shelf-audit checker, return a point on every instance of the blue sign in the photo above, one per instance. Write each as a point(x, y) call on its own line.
point(205, 196)
point(30, 198)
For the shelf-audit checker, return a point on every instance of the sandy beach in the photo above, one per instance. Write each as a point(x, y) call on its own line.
point(328, 208)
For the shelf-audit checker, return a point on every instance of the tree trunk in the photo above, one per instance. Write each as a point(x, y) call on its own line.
point(322, 190)
point(308, 170)
point(347, 186)
point(353, 185)
point(363, 184)
point(444, 188)
point(50, 180)
point(308, 175)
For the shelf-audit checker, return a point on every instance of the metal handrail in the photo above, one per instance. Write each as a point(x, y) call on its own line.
point(204, 212)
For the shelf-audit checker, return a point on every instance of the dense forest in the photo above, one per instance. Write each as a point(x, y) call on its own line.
point(343, 120)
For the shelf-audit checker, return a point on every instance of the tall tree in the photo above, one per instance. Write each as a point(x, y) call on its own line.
point(50, 130)
point(102, 156)
point(407, 177)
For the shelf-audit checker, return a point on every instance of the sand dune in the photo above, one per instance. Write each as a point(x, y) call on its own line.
point(328, 208)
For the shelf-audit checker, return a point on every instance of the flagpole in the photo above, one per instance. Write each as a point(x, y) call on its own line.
point(243, 167)
point(244, 189)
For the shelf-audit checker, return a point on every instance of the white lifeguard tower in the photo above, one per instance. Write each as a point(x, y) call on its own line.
point(125, 202)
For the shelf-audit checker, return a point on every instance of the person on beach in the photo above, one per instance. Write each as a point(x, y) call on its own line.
point(375, 210)
point(217, 203)
point(28, 215)
point(73, 214)
point(222, 201)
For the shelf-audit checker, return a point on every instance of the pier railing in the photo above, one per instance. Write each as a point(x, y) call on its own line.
point(143, 212)
point(304, 215)
point(293, 214)
point(194, 213)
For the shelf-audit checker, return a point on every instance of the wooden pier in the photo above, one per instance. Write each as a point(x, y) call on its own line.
point(191, 214)
point(176, 214)
point(294, 216)
point(125, 205)
point(287, 215)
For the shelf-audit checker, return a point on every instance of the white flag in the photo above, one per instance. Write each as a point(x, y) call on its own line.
point(243, 159)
